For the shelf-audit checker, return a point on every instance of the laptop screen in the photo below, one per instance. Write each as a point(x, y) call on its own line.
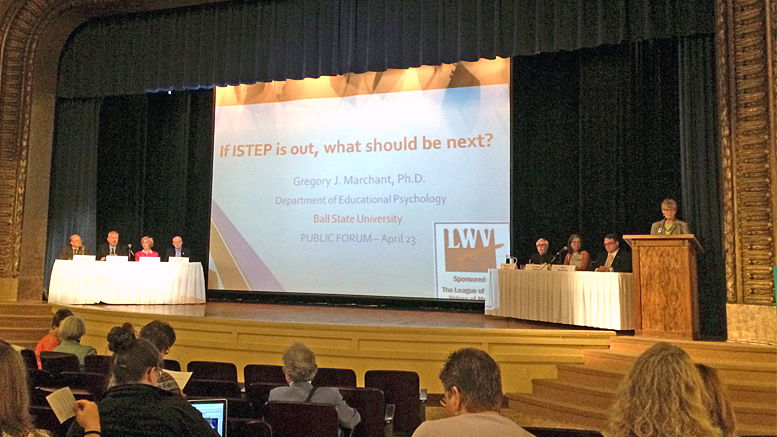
point(215, 412)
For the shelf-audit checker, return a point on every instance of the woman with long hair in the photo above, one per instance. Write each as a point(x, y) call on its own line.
point(576, 256)
point(662, 395)
point(15, 420)
point(717, 401)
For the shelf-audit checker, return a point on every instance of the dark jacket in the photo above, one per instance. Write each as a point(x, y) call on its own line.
point(141, 410)
point(621, 263)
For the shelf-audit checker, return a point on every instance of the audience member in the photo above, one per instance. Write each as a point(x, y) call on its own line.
point(71, 330)
point(135, 406)
point(473, 395)
point(177, 250)
point(147, 243)
point(542, 256)
point(613, 259)
point(74, 248)
point(51, 340)
point(162, 335)
point(111, 248)
point(576, 256)
point(717, 401)
point(299, 367)
point(15, 420)
point(662, 395)
point(669, 225)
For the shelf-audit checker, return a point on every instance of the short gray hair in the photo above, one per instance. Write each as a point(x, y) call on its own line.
point(669, 203)
point(300, 362)
point(72, 328)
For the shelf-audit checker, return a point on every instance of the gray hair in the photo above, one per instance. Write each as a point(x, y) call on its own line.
point(669, 203)
point(300, 362)
point(72, 328)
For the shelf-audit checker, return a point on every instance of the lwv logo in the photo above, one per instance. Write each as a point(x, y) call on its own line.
point(470, 249)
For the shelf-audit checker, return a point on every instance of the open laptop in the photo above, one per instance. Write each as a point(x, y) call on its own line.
point(214, 411)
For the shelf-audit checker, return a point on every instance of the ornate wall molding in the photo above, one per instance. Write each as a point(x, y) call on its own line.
point(746, 99)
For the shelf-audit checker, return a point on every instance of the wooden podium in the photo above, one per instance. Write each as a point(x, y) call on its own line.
point(666, 301)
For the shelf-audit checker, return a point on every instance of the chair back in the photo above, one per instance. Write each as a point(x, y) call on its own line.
point(44, 418)
point(332, 377)
point(263, 373)
point(94, 383)
point(258, 393)
point(371, 406)
point(249, 428)
point(402, 389)
point(211, 388)
point(98, 363)
point(213, 370)
point(30, 360)
point(172, 365)
point(58, 362)
point(302, 419)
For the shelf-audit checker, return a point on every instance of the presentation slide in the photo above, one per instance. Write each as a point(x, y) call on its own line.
point(390, 184)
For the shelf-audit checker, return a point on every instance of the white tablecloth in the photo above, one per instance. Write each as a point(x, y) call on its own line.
point(600, 300)
point(87, 282)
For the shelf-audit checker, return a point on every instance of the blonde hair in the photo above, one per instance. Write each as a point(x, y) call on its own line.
point(300, 362)
point(717, 401)
point(15, 400)
point(150, 241)
point(661, 395)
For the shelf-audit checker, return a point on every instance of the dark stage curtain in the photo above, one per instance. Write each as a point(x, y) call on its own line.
point(72, 190)
point(261, 41)
point(595, 143)
point(139, 165)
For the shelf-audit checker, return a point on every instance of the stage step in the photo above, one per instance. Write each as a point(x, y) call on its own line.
point(582, 394)
point(24, 324)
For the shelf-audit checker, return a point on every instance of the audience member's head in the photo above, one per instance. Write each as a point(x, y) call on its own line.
point(472, 382)
point(134, 359)
point(161, 334)
point(59, 316)
point(299, 363)
point(661, 395)
point(717, 401)
point(14, 396)
point(72, 328)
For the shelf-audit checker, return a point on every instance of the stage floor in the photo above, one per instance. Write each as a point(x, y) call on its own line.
point(334, 315)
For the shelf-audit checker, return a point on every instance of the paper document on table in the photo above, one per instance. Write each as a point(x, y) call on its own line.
point(181, 378)
point(63, 403)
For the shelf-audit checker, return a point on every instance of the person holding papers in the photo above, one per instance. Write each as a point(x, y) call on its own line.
point(134, 406)
point(613, 259)
point(111, 248)
point(15, 420)
point(74, 248)
point(542, 256)
point(147, 243)
point(162, 335)
point(177, 251)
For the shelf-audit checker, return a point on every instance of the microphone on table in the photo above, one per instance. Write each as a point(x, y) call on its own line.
point(555, 257)
point(129, 249)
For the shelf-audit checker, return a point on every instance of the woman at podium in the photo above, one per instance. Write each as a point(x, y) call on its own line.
point(147, 243)
point(669, 225)
point(576, 256)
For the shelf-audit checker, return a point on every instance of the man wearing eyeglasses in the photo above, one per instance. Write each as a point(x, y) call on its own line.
point(613, 259)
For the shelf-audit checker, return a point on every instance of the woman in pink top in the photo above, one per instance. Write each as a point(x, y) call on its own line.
point(147, 243)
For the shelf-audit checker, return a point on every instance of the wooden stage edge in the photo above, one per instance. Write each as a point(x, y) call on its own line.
point(357, 338)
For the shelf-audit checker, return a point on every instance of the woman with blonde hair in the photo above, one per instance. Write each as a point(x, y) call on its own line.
point(717, 401)
point(15, 420)
point(661, 395)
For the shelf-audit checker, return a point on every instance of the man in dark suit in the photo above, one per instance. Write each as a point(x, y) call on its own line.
point(614, 259)
point(177, 250)
point(74, 248)
point(111, 248)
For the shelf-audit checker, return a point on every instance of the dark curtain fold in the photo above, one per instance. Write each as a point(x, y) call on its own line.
point(595, 143)
point(701, 176)
point(72, 189)
point(260, 41)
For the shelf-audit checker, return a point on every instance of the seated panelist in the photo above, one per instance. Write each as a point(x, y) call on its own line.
point(74, 248)
point(147, 243)
point(542, 256)
point(613, 259)
point(177, 250)
point(669, 225)
point(111, 248)
point(576, 256)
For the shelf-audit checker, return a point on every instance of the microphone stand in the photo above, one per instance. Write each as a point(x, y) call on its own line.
point(130, 254)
